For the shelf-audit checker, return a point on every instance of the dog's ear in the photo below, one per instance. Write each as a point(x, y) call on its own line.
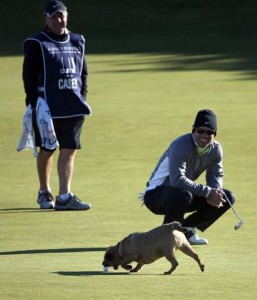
point(179, 227)
point(176, 225)
point(109, 256)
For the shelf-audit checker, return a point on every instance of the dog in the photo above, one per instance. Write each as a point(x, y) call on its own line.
point(147, 247)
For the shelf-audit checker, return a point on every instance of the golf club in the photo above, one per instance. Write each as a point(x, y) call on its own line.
point(241, 221)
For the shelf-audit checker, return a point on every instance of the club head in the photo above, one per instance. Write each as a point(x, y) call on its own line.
point(239, 224)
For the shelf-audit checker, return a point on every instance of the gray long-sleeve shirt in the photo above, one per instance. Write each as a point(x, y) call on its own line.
point(180, 166)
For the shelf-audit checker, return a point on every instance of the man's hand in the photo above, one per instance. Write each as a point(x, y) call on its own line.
point(215, 198)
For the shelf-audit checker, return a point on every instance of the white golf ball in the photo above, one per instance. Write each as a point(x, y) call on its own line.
point(105, 269)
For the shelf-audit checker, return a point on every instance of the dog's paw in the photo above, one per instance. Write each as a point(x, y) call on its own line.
point(167, 273)
point(202, 268)
point(133, 270)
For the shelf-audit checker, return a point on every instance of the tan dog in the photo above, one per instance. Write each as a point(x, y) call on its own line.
point(145, 248)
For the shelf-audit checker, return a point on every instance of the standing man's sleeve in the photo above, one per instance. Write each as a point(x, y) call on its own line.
point(84, 74)
point(32, 68)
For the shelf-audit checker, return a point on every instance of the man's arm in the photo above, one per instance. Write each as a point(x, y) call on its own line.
point(32, 67)
point(179, 158)
point(84, 74)
point(214, 174)
point(214, 179)
point(179, 161)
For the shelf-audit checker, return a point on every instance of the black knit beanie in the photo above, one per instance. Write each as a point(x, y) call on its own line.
point(205, 118)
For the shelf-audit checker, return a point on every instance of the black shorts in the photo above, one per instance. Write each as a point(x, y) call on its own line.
point(67, 130)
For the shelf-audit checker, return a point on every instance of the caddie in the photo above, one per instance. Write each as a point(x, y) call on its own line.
point(55, 70)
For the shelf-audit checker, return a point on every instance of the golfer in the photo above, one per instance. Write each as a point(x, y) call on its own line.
point(172, 191)
point(55, 70)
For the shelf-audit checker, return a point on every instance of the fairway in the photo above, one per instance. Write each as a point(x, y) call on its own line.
point(140, 103)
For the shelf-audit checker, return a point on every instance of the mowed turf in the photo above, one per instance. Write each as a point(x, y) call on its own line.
point(140, 103)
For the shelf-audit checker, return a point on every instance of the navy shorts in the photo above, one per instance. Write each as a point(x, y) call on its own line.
point(67, 130)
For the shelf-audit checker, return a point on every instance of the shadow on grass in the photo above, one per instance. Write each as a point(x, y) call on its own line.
point(89, 273)
point(46, 251)
point(97, 273)
point(32, 210)
point(23, 209)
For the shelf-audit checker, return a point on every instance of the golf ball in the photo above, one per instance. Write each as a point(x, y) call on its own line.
point(105, 269)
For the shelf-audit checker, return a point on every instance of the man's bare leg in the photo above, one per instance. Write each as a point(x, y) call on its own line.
point(44, 168)
point(65, 167)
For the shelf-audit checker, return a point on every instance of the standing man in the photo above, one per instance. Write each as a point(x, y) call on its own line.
point(55, 69)
point(172, 191)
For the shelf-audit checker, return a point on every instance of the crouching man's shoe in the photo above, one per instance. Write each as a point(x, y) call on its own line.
point(193, 237)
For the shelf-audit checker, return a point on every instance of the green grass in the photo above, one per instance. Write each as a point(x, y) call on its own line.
point(140, 103)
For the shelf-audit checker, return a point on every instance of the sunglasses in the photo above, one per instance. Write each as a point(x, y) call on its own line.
point(203, 131)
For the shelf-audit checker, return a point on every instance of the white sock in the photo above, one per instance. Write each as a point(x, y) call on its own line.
point(44, 191)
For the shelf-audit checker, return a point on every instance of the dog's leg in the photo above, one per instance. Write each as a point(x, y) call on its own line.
point(188, 250)
point(137, 267)
point(126, 267)
point(173, 261)
point(125, 263)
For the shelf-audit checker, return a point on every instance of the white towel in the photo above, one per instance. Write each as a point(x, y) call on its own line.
point(27, 140)
point(45, 127)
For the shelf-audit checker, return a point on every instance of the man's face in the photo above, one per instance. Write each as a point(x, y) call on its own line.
point(57, 23)
point(204, 136)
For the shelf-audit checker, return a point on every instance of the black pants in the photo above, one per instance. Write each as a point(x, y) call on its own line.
point(174, 203)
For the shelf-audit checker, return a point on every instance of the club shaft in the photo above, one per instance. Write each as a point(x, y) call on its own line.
point(235, 212)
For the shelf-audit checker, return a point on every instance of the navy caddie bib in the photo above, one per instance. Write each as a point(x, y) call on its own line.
point(61, 79)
